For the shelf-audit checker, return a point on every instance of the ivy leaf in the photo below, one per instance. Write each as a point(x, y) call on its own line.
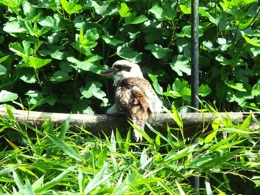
point(162, 13)
point(135, 19)
point(256, 89)
point(157, 11)
point(6, 96)
point(236, 86)
point(70, 7)
point(156, 84)
point(93, 90)
point(180, 64)
point(37, 63)
point(124, 10)
point(128, 53)
point(12, 3)
point(186, 8)
point(28, 10)
point(204, 90)
point(157, 50)
point(181, 88)
point(86, 65)
point(2, 70)
point(254, 41)
point(60, 76)
point(27, 75)
point(111, 41)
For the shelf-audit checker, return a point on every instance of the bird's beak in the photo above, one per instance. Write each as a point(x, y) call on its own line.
point(109, 72)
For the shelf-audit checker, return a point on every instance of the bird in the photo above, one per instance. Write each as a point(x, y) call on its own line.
point(134, 96)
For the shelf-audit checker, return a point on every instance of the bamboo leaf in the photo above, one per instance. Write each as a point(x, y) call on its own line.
point(56, 180)
point(66, 149)
point(100, 178)
point(28, 188)
point(211, 136)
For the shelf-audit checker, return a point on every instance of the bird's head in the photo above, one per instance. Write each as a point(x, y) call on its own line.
point(123, 69)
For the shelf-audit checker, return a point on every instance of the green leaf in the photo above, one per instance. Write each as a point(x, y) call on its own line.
point(236, 86)
point(28, 10)
point(181, 88)
point(124, 10)
point(17, 48)
point(135, 19)
point(157, 11)
point(256, 89)
point(6, 96)
point(111, 41)
point(37, 63)
point(204, 90)
point(28, 189)
point(70, 7)
point(93, 90)
point(180, 64)
point(220, 144)
point(2, 70)
point(203, 11)
point(158, 142)
point(18, 181)
point(100, 178)
point(10, 114)
point(2, 59)
point(253, 41)
point(64, 129)
point(186, 32)
point(60, 76)
point(55, 181)
point(246, 123)
point(128, 53)
point(11, 3)
point(176, 117)
point(27, 75)
point(186, 8)
point(156, 84)
point(65, 148)
point(87, 65)
point(157, 50)
point(180, 154)
point(88, 39)
point(210, 136)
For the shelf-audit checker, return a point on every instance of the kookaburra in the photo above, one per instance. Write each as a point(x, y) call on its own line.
point(134, 95)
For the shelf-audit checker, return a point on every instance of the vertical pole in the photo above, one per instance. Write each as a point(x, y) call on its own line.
point(195, 68)
point(195, 53)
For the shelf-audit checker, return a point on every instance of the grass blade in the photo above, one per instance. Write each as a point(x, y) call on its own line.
point(64, 129)
point(100, 178)
point(28, 188)
point(18, 181)
point(53, 182)
point(10, 114)
point(66, 149)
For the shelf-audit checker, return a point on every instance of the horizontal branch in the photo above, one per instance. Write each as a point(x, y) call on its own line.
point(96, 124)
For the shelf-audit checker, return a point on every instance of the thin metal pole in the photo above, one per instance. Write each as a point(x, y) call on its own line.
point(195, 68)
point(195, 53)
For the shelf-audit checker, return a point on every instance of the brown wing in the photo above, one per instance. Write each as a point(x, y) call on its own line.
point(134, 96)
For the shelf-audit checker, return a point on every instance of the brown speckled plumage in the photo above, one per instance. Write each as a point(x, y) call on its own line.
point(134, 95)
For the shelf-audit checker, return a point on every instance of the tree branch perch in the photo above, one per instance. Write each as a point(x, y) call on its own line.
point(96, 124)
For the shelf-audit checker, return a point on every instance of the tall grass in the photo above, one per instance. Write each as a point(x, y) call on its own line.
point(53, 160)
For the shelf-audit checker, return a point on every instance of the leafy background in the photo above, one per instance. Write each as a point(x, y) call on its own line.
point(51, 54)
point(53, 51)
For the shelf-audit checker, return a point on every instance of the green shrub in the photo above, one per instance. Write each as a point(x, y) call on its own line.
point(53, 51)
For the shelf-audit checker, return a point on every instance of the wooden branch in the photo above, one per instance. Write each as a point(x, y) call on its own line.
point(96, 124)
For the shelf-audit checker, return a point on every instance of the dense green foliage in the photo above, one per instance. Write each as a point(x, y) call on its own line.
point(57, 161)
point(53, 51)
point(51, 54)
